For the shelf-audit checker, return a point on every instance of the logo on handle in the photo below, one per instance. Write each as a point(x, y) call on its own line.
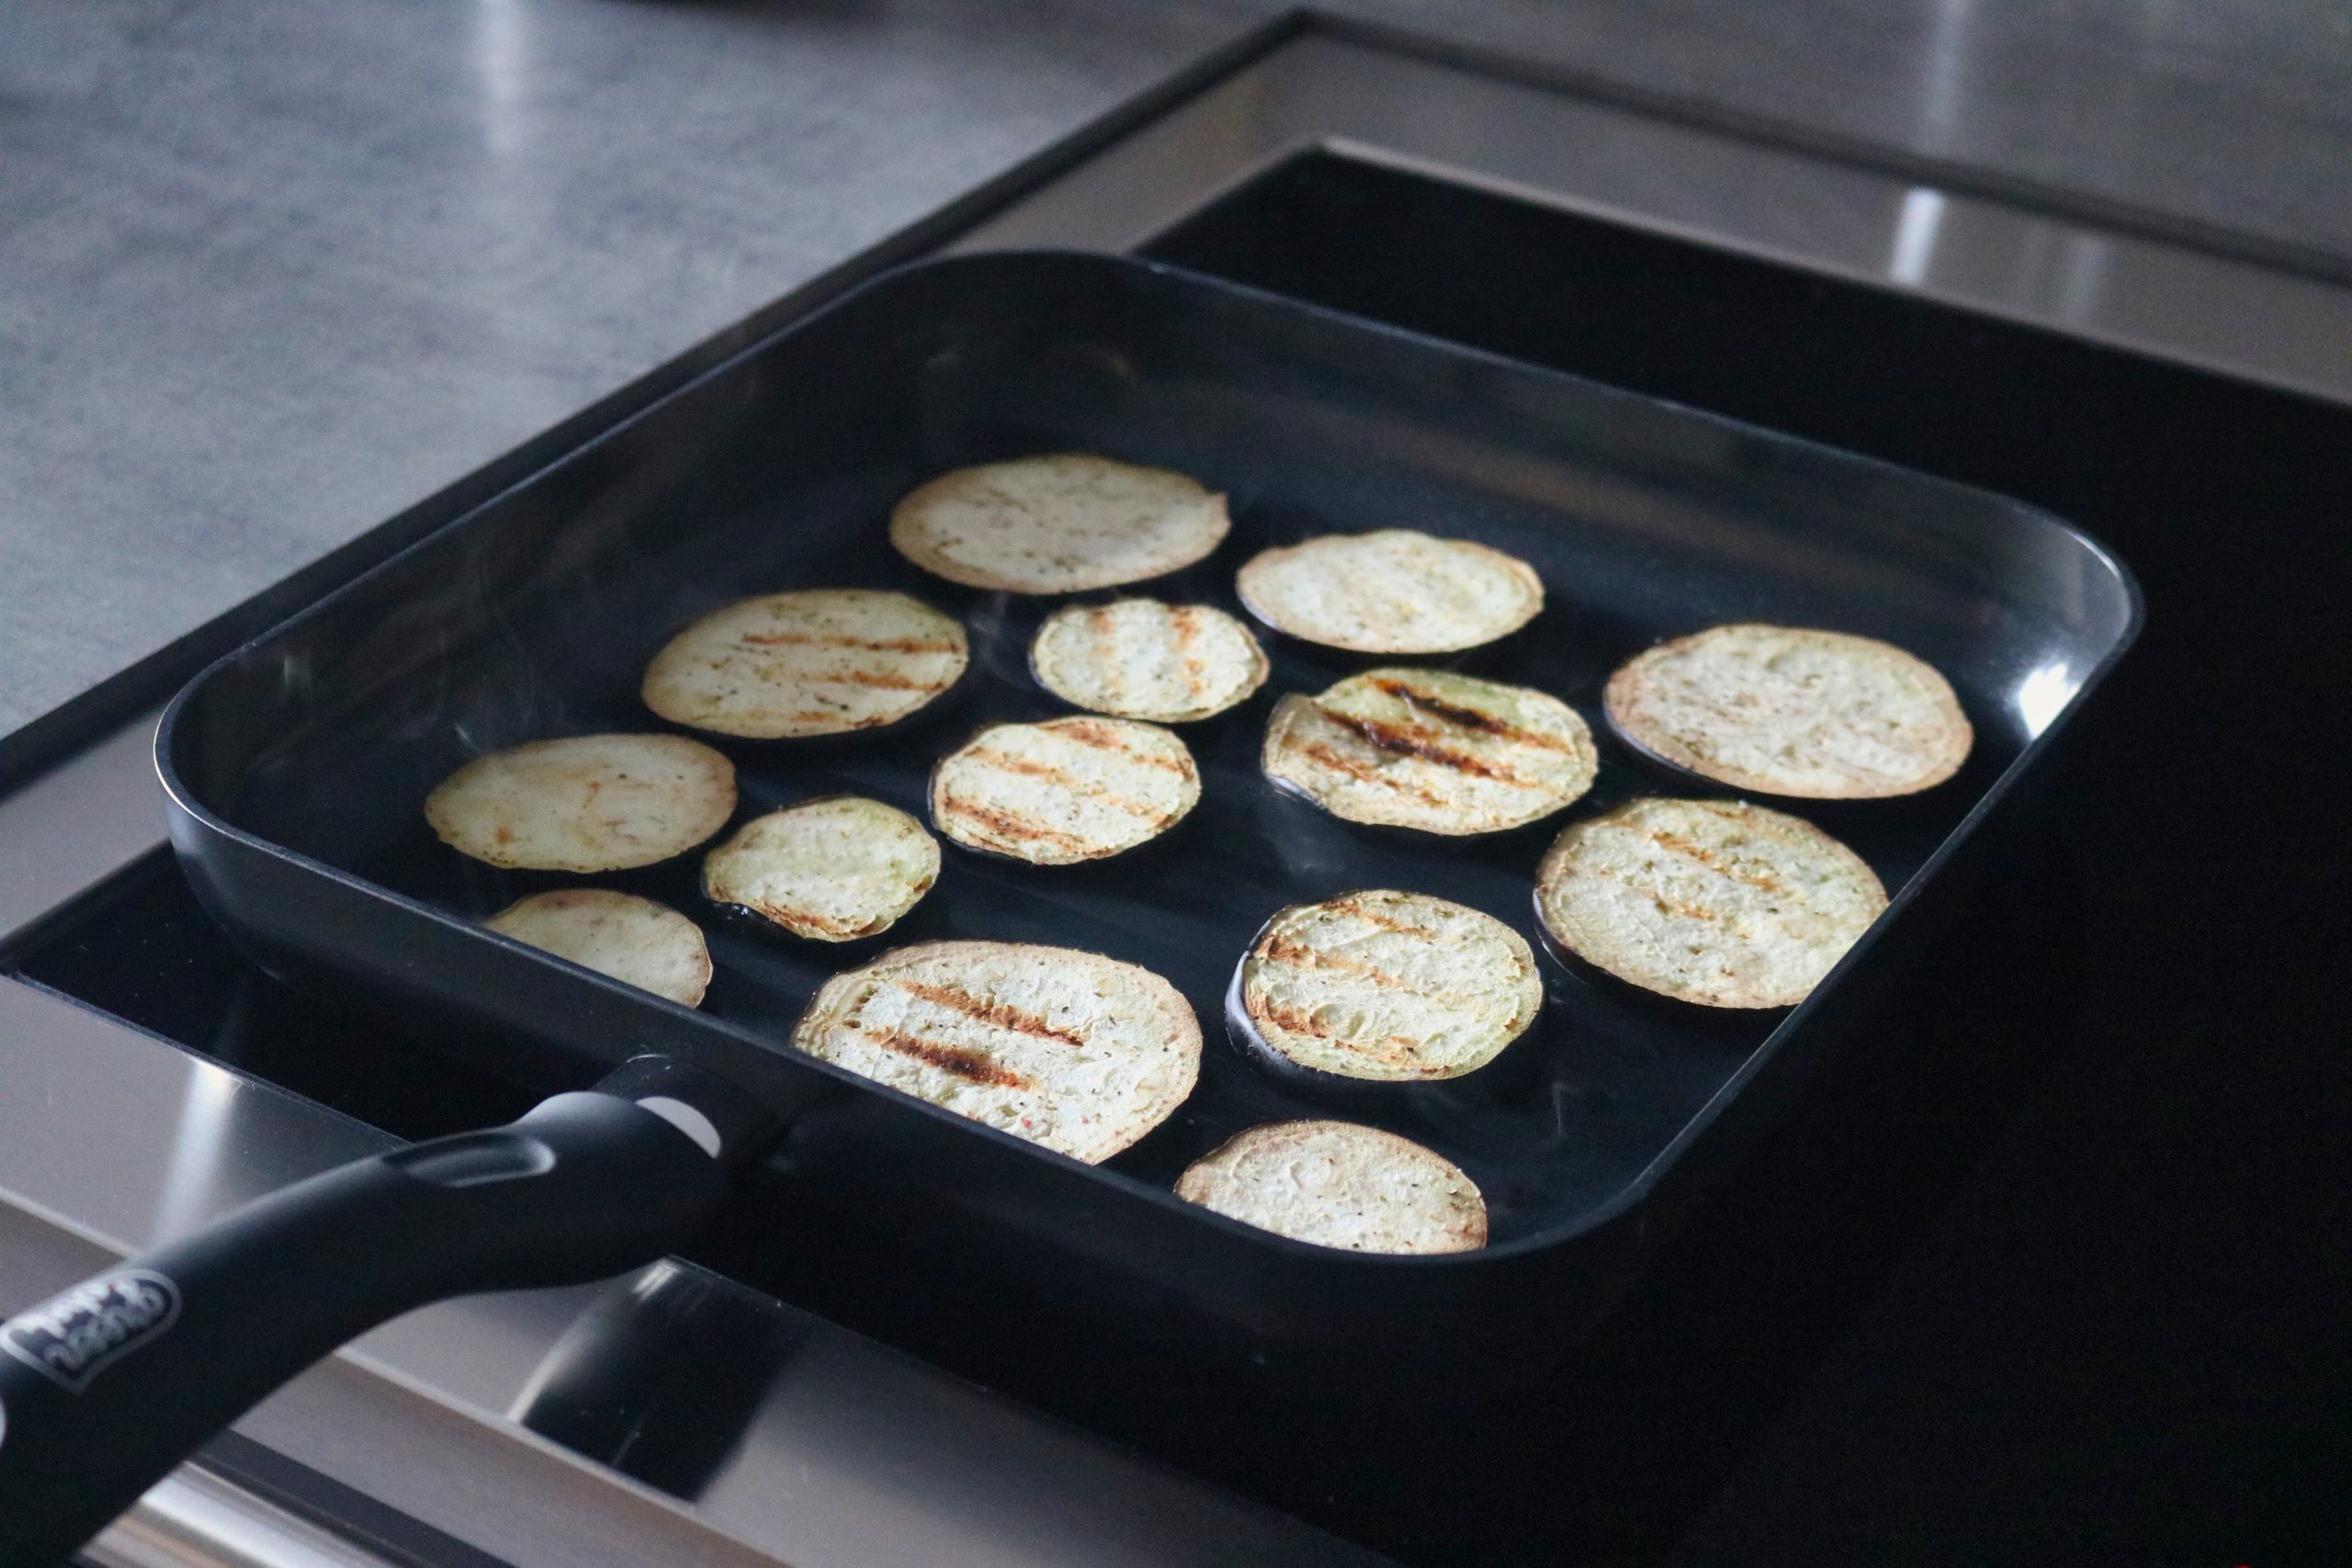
point(71, 1339)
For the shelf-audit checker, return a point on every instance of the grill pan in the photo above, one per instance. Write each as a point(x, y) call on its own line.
point(296, 767)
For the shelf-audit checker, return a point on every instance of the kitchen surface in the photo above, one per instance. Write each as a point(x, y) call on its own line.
point(326, 259)
point(2061, 1278)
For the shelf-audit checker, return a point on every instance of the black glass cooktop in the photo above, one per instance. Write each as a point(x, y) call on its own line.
point(2154, 968)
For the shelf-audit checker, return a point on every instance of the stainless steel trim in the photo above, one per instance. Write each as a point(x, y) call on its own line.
point(858, 1454)
point(73, 826)
point(2197, 306)
point(197, 1519)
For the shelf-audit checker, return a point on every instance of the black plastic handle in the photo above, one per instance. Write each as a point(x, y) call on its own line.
point(109, 1385)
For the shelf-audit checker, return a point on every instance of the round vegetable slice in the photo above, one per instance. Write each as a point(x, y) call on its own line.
point(832, 870)
point(1337, 1184)
point(1432, 750)
point(1393, 591)
point(815, 661)
point(634, 940)
point(1396, 987)
point(1141, 658)
point(1789, 710)
point(584, 803)
point(1710, 901)
point(1060, 523)
point(1080, 1052)
point(1064, 791)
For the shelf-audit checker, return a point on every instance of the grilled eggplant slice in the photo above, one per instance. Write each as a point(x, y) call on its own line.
point(1432, 750)
point(1064, 791)
point(1710, 901)
point(1141, 658)
point(1339, 1184)
point(634, 940)
point(584, 803)
point(1394, 591)
point(832, 870)
point(1787, 710)
point(817, 661)
point(1395, 987)
point(1080, 1052)
point(1062, 524)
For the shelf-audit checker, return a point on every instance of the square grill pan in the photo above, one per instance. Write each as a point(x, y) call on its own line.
point(296, 767)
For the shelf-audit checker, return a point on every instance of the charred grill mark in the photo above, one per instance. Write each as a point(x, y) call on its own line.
point(1676, 843)
point(1004, 1015)
point(1089, 732)
point(1014, 829)
point(1100, 736)
point(1437, 707)
point(1282, 950)
point(1316, 750)
point(1188, 626)
point(839, 715)
point(1106, 649)
point(972, 1066)
point(842, 639)
point(1665, 906)
point(1374, 918)
point(1029, 768)
point(880, 680)
point(792, 915)
point(1462, 717)
point(1268, 1011)
point(1399, 743)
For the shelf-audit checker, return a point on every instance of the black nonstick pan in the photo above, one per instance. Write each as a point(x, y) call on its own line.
point(295, 770)
point(106, 1386)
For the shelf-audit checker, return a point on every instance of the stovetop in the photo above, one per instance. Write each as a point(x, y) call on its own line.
point(2132, 918)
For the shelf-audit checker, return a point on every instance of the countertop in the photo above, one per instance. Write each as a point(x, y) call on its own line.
point(270, 270)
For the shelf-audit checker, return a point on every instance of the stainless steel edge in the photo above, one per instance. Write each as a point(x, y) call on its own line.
point(111, 1140)
point(2196, 306)
point(75, 824)
point(197, 1519)
point(857, 1455)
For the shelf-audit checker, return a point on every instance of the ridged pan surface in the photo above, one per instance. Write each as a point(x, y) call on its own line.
point(535, 616)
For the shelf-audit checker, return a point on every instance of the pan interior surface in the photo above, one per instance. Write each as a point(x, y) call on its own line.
point(535, 616)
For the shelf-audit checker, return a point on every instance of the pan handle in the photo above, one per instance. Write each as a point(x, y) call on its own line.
point(106, 1387)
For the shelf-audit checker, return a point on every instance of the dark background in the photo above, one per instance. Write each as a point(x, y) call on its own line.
point(2125, 1335)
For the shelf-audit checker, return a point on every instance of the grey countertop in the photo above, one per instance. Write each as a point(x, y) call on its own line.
point(270, 270)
